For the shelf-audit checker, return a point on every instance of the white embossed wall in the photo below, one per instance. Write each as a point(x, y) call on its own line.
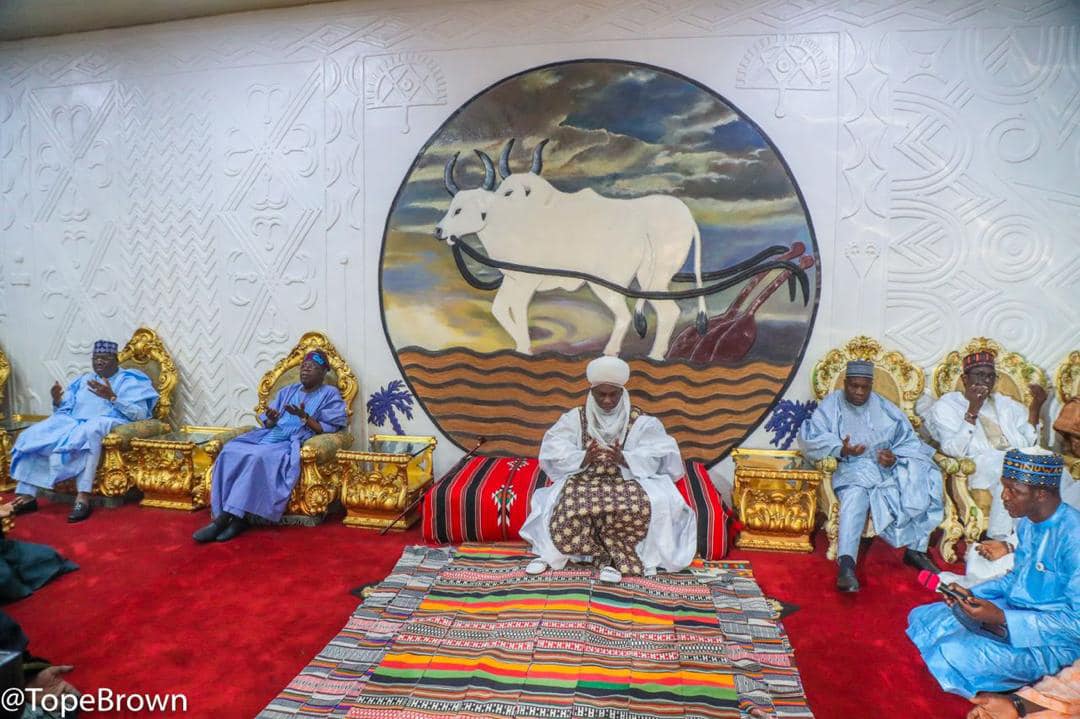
point(226, 180)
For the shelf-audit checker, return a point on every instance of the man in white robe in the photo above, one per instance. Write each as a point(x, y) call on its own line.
point(993, 558)
point(612, 499)
point(984, 425)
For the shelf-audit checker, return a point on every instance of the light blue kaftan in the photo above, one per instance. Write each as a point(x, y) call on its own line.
point(68, 444)
point(905, 500)
point(1041, 601)
point(256, 472)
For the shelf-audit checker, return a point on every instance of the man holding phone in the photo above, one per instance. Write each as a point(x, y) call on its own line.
point(1025, 625)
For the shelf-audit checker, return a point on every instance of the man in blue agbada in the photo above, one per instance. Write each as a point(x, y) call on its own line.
point(68, 444)
point(256, 472)
point(883, 468)
point(1025, 625)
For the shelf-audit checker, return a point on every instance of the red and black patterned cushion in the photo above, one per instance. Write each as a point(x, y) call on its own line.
point(488, 500)
point(713, 516)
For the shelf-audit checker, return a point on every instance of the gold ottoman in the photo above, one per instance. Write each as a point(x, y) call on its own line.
point(173, 470)
point(380, 484)
point(775, 497)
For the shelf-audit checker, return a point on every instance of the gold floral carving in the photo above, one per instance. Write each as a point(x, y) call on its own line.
point(895, 378)
point(172, 473)
point(1066, 378)
point(377, 487)
point(5, 373)
point(775, 499)
point(1015, 373)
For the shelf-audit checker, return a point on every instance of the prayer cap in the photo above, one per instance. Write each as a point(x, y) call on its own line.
point(607, 370)
point(977, 359)
point(317, 356)
point(1068, 422)
point(860, 368)
point(1033, 465)
point(105, 347)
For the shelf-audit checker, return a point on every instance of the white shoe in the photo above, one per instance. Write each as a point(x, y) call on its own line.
point(611, 575)
point(649, 572)
point(536, 566)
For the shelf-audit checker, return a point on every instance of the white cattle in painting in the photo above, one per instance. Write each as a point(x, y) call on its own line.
point(529, 222)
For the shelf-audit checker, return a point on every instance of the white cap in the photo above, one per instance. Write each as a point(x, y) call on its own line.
point(607, 370)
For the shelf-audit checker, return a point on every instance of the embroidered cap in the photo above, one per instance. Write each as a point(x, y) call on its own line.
point(105, 347)
point(317, 357)
point(979, 359)
point(860, 368)
point(1034, 465)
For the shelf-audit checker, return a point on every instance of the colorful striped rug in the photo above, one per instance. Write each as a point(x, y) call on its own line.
point(466, 633)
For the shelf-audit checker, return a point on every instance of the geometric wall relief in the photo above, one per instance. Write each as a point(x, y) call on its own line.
point(976, 246)
point(785, 63)
point(81, 297)
point(272, 217)
point(598, 207)
point(168, 241)
point(403, 81)
point(71, 155)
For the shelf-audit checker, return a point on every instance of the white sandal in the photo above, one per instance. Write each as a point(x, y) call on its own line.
point(611, 575)
point(536, 566)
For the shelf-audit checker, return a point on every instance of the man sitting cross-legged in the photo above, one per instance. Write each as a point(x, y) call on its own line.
point(612, 499)
point(256, 472)
point(883, 468)
point(68, 444)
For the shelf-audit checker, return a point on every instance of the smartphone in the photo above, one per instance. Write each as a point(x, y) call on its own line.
point(950, 592)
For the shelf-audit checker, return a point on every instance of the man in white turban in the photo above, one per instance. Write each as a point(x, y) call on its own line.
point(612, 500)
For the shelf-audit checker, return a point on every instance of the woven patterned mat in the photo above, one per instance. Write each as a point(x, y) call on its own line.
point(466, 633)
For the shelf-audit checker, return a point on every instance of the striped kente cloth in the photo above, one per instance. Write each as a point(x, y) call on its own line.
point(468, 634)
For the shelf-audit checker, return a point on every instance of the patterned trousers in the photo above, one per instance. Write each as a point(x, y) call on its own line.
point(602, 516)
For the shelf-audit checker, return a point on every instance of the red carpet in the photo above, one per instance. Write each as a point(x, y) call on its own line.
point(229, 625)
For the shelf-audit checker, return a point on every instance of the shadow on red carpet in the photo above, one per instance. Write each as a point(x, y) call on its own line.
point(228, 625)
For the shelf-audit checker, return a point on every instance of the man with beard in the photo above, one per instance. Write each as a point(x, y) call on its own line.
point(1022, 626)
point(612, 501)
point(256, 472)
point(883, 468)
point(983, 424)
point(68, 444)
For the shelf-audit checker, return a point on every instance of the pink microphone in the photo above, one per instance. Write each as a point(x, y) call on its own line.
point(933, 582)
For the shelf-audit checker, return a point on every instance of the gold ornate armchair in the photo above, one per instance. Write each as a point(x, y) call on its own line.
point(1014, 374)
point(144, 352)
point(6, 485)
point(1067, 382)
point(898, 381)
point(320, 474)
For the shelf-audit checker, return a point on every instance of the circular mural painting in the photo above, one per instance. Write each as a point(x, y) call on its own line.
point(596, 207)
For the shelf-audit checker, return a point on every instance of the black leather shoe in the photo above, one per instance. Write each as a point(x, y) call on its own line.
point(845, 578)
point(920, 560)
point(26, 507)
point(236, 527)
point(211, 531)
point(79, 512)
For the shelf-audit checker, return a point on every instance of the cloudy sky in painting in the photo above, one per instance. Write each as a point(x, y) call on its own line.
point(624, 131)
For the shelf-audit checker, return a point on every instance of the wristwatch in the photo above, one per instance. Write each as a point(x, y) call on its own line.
point(1018, 704)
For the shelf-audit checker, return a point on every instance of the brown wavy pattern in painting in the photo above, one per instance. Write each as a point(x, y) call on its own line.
point(512, 399)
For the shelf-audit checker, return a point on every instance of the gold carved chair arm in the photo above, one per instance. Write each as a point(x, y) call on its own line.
point(322, 448)
point(213, 449)
point(969, 513)
point(121, 435)
point(828, 502)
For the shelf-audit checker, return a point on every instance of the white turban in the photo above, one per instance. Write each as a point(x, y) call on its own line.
point(607, 370)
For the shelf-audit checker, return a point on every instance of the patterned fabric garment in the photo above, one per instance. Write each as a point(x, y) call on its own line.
point(602, 515)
